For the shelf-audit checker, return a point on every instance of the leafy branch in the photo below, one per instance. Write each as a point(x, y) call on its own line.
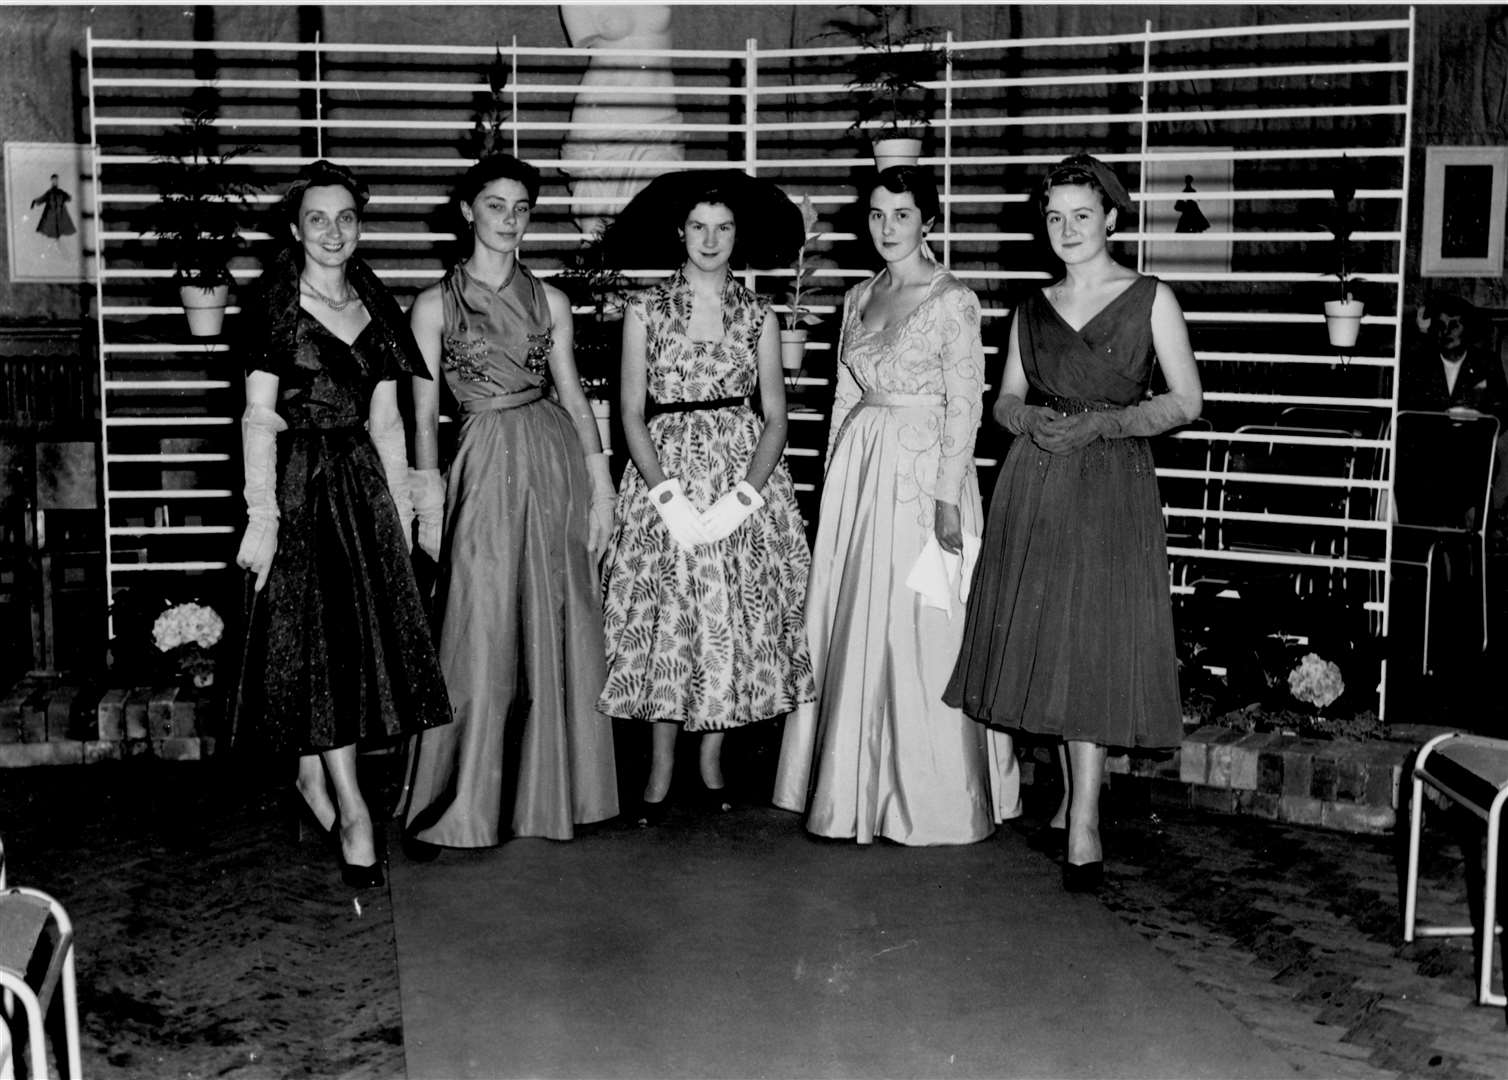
point(888, 71)
point(800, 314)
point(493, 112)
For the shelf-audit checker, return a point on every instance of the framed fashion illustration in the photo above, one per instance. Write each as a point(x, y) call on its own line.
point(1465, 202)
point(49, 211)
point(1202, 205)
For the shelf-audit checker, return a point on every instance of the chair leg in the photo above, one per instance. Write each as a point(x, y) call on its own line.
point(1485, 996)
point(1411, 878)
point(71, 1018)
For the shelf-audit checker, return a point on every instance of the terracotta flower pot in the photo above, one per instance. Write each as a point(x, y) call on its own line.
point(205, 308)
point(792, 349)
point(1343, 321)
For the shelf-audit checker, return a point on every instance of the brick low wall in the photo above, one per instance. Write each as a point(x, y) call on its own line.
point(47, 719)
point(1341, 784)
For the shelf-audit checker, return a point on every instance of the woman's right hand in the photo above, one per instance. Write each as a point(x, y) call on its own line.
point(1034, 419)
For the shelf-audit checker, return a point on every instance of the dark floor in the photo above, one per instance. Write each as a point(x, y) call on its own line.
point(212, 941)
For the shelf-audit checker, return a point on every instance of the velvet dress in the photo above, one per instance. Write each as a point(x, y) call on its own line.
point(517, 600)
point(711, 638)
point(880, 755)
point(1070, 624)
point(338, 648)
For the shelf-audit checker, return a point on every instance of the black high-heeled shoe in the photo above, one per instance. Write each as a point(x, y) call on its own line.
point(714, 800)
point(355, 876)
point(1083, 877)
point(651, 814)
point(306, 823)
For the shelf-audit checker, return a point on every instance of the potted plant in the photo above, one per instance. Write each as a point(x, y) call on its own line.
point(798, 315)
point(592, 284)
point(893, 61)
point(1343, 315)
point(202, 208)
point(494, 112)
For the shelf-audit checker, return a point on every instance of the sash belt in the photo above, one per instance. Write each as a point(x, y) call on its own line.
point(884, 400)
point(503, 401)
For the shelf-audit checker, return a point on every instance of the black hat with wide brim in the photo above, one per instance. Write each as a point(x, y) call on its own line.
point(644, 235)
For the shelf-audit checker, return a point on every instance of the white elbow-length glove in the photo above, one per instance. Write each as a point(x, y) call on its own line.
point(259, 543)
point(680, 516)
point(729, 512)
point(392, 448)
point(599, 527)
point(426, 489)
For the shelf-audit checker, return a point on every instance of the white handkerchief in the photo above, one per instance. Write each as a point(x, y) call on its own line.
point(940, 575)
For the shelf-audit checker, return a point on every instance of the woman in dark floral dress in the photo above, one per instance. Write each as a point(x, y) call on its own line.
point(706, 573)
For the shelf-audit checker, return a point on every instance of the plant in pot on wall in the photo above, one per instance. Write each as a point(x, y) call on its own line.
point(1343, 315)
point(893, 62)
point(590, 283)
point(799, 315)
point(204, 205)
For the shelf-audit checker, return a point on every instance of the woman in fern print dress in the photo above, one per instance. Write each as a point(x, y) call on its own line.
point(880, 755)
point(528, 510)
point(707, 570)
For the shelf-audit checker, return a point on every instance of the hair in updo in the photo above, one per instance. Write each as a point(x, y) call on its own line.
point(498, 167)
point(320, 173)
point(1083, 170)
point(900, 179)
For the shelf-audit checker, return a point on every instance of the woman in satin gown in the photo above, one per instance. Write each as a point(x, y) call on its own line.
point(1070, 626)
point(517, 532)
point(706, 573)
point(338, 651)
point(879, 754)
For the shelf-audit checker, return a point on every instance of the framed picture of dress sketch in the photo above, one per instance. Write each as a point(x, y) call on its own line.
point(49, 211)
point(1188, 213)
point(1465, 204)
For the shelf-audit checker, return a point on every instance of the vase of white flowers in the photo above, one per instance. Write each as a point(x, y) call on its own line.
point(189, 633)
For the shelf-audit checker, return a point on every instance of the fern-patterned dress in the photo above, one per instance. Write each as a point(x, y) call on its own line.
point(712, 638)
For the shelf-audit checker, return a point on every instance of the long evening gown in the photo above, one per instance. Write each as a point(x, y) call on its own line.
point(880, 754)
point(712, 638)
point(1070, 624)
point(338, 648)
point(517, 596)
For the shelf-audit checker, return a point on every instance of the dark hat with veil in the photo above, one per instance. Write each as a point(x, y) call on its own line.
point(644, 233)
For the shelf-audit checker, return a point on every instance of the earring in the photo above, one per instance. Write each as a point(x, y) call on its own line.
point(1109, 231)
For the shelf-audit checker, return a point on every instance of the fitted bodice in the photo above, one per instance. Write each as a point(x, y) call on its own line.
point(495, 341)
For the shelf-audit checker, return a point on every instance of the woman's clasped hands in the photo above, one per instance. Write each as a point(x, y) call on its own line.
point(1060, 434)
point(689, 527)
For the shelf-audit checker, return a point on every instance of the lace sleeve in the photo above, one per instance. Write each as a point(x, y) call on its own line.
point(847, 393)
point(961, 353)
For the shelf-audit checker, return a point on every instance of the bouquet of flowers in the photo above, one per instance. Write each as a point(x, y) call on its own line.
point(190, 630)
point(1316, 681)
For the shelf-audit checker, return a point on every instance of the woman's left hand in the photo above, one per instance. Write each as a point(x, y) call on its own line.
point(948, 525)
point(1069, 433)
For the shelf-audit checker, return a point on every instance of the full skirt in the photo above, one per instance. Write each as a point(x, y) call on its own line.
point(879, 754)
point(520, 643)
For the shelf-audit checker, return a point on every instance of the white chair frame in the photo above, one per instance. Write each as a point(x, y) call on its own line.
point(1492, 814)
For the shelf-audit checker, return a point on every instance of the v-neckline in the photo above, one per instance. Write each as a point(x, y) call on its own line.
point(1089, 321)
point(348, 344)
point(863, 304)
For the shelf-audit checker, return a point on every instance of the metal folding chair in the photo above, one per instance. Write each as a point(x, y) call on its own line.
point(1471, 770)
point(33, 925)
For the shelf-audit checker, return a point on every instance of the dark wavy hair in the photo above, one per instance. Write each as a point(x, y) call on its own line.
point(320, 173)
point(498, 167)
point(712, 193)
point(899, 179)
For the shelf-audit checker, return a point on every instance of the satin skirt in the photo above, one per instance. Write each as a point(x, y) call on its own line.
point(879, 754)
point(521, 646)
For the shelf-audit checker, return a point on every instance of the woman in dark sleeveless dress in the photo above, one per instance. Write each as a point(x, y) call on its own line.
point(1070, 628)
point(338, 650)
point(527, 513)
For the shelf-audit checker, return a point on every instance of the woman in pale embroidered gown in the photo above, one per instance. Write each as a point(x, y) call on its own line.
point(880, 755)
point(526, 514)
point(707, 570)
point(1070, 627)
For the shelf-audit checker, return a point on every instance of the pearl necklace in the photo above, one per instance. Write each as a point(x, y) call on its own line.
point(330, 302)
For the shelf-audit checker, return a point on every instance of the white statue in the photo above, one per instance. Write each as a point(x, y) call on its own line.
point(595, 157)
